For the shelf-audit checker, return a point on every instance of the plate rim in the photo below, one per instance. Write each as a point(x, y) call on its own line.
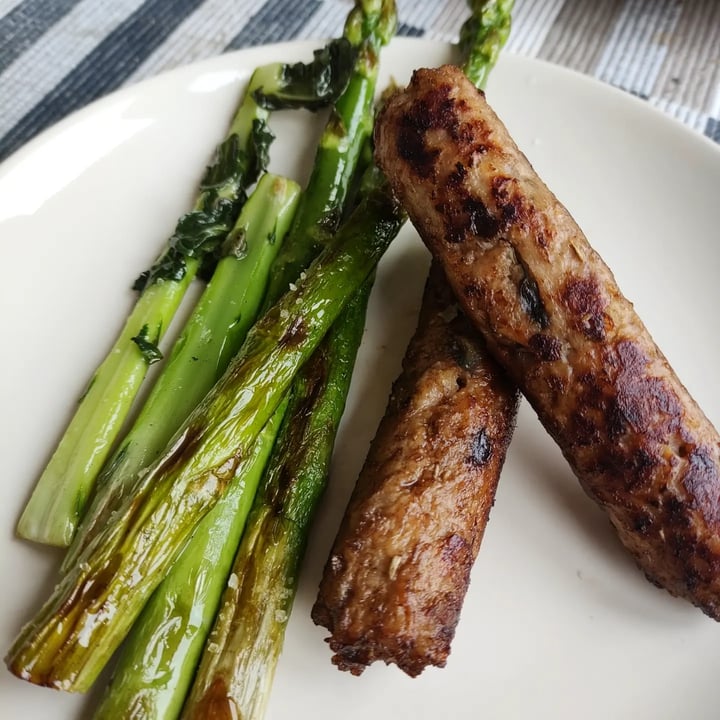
point(200, 66)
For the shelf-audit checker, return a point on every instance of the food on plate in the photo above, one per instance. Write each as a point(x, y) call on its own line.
point(533, 294)
point(160, 653)
point(423, 498)
point(59, 499)
point(144, 520)
point(213, 333)
point(555, 319)
point(94, 605)
point(397, 574)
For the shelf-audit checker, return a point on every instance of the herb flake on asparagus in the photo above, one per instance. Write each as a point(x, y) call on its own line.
point(311, 85)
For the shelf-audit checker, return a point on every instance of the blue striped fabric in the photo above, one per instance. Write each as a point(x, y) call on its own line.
point(58, 55)
point(26, 23)
point(272, 23)
point(712, 130)
point(409, 30)
point(117, 55)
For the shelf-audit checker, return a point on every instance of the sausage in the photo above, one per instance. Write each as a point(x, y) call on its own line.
point(555, 319)
point(399, 569)
point(397, 574)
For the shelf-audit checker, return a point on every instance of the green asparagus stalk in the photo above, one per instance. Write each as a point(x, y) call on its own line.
point(483, 36)
point(324, 199)
point(237, 668)
point(213, 334)
point(158, 660)
point(95, 603)
point(236, 671)
point(369, 26)
point(57, 504)
point(59, 498)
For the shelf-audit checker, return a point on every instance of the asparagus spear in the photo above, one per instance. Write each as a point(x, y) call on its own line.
point(95, 603)
point(369, 26)
point(213, 334)
point(159, 657)
point(483, 36)
point(236, 671)
point(134, 684)
point(59, 499)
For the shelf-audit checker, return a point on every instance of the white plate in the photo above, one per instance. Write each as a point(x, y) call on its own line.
point(558, 623)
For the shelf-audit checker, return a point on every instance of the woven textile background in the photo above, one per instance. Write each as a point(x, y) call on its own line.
point(58, 55)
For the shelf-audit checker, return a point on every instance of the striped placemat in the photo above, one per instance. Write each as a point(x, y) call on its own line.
point(58, 55)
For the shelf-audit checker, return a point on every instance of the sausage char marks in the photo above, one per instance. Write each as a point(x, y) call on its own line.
point(399, 569)
point(554, 317)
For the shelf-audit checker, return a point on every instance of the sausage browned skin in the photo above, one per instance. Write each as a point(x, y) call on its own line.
point(553, 315)
point(399, 569)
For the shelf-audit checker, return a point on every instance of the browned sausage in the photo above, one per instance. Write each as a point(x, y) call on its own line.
point(399, 569)
point(554, 317)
